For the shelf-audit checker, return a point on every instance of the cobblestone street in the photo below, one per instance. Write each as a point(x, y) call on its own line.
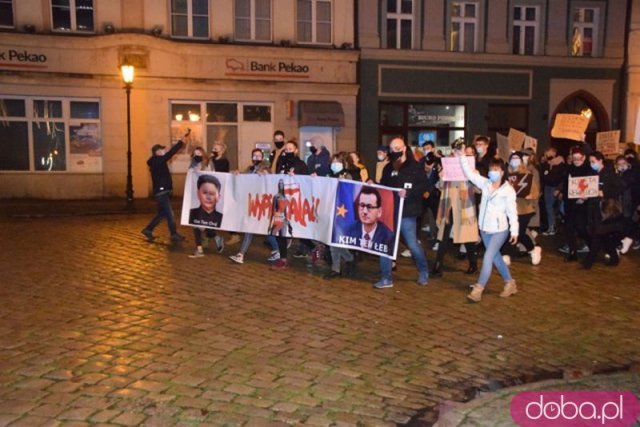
point(100, 327)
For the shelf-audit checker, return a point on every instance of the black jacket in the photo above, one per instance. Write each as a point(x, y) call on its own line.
point(288, 161)
point(411, 172)
point(553, 176)
point(160, 175)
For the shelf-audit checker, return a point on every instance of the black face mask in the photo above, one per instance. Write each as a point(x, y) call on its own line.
point(256, 162)
point(214, 155)
point(550, 157)
point(395, 156)
point(197, 159)
point(279, 144)
point(313, 150)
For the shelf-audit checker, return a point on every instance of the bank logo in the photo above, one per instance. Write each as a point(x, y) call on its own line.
point(266, 68)
point(575, 408)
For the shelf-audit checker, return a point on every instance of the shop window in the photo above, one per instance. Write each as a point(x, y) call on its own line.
point(65, 135)
point(526, 26)
point(256, 113)
point(72, 15)
point(222, 113)
point(253, 20)
point(465, 26)
point(416, 123)
point(587, 22)
point(400, 24)
point(190, 18)
point(6, 14)
point(314, 21)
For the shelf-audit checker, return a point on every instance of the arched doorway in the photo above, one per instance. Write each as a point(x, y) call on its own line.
point(582, 102)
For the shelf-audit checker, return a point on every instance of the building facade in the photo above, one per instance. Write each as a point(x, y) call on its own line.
point(230, 70)
point(442, 69)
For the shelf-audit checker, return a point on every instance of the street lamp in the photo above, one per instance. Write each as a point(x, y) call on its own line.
point(127, 77)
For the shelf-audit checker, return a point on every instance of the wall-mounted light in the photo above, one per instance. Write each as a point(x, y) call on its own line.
point(157, 30)
point(109, 28)
point(586, 113)
point(179, 117)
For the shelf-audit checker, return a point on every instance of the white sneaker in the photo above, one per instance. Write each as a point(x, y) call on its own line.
point(506, 259)
point(536, 255)
point(436, 246)
point(426, 229)
point(406, 253)
point(199, 253)
point(239, 258)
point(626, 245)
point(584, 249)
point(275, 256)
point(463, 249)
point(219, 243)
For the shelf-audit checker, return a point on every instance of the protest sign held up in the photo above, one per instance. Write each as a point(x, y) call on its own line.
point(570, 126)
point(583, 187)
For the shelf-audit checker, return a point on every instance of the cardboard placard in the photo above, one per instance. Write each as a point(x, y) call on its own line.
point(521, 182)
point(608, 143)
point(570, 126)
point(503, 147)
point(516, 139)
point(583, 187)
point(452, 169)
point(531, 142)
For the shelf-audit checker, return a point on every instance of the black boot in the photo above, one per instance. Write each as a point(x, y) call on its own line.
point(473, 263)
point(436, 270)
point(571, 256)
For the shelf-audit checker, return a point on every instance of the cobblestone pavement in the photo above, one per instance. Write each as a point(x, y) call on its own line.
point(100, 327)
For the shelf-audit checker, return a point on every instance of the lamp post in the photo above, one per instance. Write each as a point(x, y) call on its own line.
point(127, 77)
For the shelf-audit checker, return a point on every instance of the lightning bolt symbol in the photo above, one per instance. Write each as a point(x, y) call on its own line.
point(522, 184)
point(582, 185)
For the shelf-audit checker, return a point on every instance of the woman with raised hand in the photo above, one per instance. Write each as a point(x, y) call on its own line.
point(498, 220)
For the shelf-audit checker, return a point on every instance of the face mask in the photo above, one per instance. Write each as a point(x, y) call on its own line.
point(313, 150)
point(622, 169)
point(395, 156)
point(494, 176)
point(336, 167)
point(197, 159)
point(595, 167)
point(286, 154)
point(381, 158)
point(426, 150)
point(514, 163)
point(480, 150)
point(549, 157)
point(525, 160)
point(279, 144)
point(215, 154)
point(256, 161)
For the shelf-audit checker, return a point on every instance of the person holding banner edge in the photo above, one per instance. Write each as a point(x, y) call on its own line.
point(405, 173)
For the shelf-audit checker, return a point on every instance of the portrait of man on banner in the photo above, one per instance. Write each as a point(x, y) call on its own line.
point(208, 191)
point(365, 218)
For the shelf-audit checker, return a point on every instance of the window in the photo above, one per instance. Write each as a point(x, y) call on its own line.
point(190, 18)
point(65, 135)
point(585, 36)
point(72, 15)
point(440, 123)
point(526, 27)
point(400, 24)
point(464, 26)
point(6, 14)
point(241, 126)
point(253, 20)
point(314, 21)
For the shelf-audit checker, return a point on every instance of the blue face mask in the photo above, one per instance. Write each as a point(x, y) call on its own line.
point(514, 163)
point(595, 167)
point(336, 167)
point(494, 176)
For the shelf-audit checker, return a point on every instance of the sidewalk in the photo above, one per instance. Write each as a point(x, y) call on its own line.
point(36, 208)
point(494, 408)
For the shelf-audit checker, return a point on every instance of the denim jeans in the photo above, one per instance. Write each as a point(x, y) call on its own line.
point(337, 254)
point(164, 211)
point(408, 232)
point(492, 256)
point(549, 200)
point(248, 238)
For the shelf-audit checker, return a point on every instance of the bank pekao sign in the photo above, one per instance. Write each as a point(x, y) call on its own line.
point(22, 58)
point(266, 68)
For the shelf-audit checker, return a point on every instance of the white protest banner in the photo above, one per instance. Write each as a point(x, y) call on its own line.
point(288, 206)
point(583, 187)
point(452, 169)
point(531, 142)
point(570, 126)
point(608, 143)
point(503, 147)
point(516, 139)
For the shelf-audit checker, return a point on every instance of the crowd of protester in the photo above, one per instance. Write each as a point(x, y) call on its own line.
point(488, 214)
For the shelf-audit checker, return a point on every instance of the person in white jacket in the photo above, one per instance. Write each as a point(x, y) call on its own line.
point(497, 221)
